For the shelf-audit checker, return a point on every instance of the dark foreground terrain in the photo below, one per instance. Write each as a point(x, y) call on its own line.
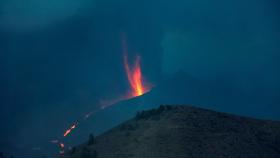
point(182, 132)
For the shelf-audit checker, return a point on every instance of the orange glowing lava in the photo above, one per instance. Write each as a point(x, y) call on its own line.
point(61, 145)
point(134, 74)
point(68, 131)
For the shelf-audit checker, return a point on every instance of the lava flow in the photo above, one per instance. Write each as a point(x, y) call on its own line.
point(68, 131)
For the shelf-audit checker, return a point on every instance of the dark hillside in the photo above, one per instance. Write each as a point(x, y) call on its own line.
point(183, 131)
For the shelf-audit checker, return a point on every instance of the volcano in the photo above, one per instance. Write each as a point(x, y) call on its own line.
point(184, 131)
point(179, 90)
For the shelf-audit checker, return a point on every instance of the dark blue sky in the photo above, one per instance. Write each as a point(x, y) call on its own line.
point(58, 59)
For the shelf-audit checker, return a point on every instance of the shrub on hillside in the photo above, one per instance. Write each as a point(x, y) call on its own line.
point(91, 140)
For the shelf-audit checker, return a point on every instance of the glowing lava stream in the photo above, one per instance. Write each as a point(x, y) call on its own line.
point(68, 131)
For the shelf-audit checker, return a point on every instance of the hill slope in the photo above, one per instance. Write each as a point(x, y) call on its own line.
point(182, 131)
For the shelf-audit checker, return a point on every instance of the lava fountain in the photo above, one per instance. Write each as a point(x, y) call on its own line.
point(134, 74)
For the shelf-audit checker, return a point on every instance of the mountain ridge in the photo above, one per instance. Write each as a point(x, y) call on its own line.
point(185, 131)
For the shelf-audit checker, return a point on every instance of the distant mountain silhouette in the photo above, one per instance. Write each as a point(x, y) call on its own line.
point(184, 131)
